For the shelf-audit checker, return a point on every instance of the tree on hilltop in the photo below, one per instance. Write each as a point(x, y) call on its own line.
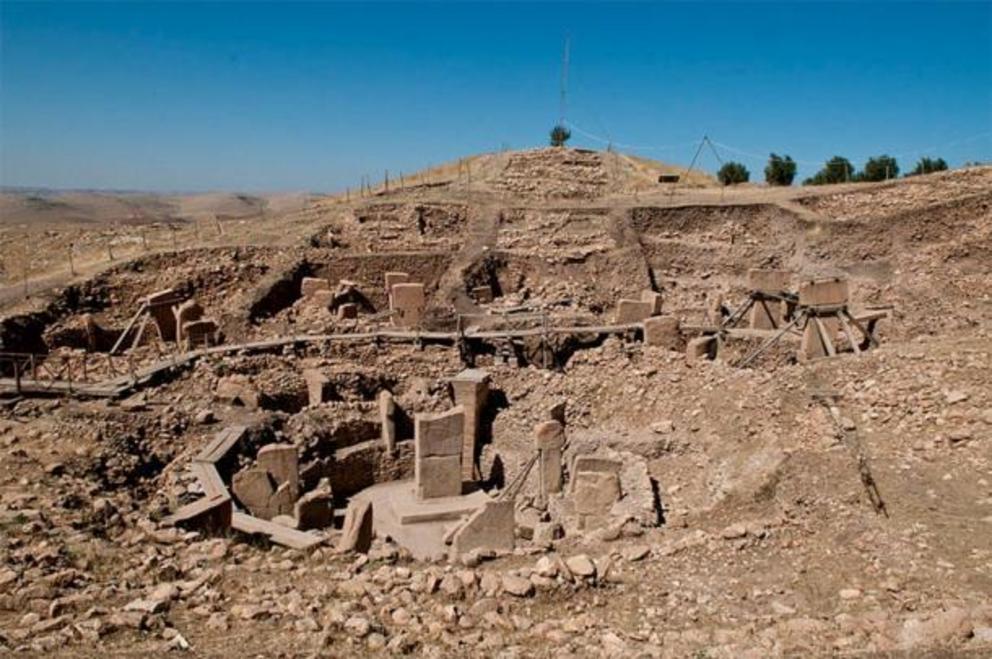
point(836, 170)
point(927, 165)
point(732, 173)
point(560, 135)
point(780, 170)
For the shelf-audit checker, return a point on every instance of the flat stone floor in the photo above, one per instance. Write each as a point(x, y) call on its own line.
point(420, 526)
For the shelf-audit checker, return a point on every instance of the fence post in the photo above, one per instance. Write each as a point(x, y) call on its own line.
point(34, 368)
point(17, 375)
point(72, 264)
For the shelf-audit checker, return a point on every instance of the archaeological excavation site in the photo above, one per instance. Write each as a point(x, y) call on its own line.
point(544, 403)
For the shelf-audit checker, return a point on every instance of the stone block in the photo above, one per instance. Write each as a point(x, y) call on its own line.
point(319, 388)
point(490, 527)
point(356, 534)
point(439, 477)
point(407, 302)
point(314, 510)
point(823, 293)
point(310, 285)
point(633, 311)
point(348, 311)
point(282, 462)
point(701, 348)
point(654, 298)
point(595, 492)
point(662, 332)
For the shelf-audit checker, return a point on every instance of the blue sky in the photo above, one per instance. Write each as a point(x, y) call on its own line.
point(312, 96)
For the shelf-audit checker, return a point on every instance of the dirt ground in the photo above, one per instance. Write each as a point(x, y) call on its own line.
point(766, 544)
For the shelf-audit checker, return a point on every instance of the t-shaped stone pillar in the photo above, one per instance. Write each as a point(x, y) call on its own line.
point(437, 453)
point(549, 439)
point(471, 389)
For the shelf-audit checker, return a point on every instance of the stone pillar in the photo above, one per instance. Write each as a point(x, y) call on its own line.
point(387, 415)
point(549, 439)
point(654, 299)
point(633, 311)
point(160, 309)
point(186, 312)
point(317, 386)
point(407, 303)
point(393, 278)
point(662, 331)
point(767, 314)
point(438, 453)
point(471, 389)
point(282, 462)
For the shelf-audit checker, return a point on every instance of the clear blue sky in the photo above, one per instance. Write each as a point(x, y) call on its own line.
point(312, 96)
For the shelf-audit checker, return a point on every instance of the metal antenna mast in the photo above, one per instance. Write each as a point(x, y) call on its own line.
point(564, 83)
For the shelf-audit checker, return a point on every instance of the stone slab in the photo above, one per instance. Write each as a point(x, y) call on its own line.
point(633, 311)
point(439, 434)
point(439, 476)
point(439, 509)
point(490, 527)
point(282, 462)
point(595, 492)
point(662, 332)
point(358, 529)
point(407, 302)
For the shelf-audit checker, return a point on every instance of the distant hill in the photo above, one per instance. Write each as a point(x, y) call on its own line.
point(40, 206)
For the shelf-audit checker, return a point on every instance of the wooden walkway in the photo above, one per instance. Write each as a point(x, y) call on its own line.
point(123, 384)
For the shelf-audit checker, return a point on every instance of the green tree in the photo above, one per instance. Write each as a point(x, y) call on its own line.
point(780, 170)
point(927, 165)
point(879, 168)
point(836, 170)
point(560, 135)
point(732, 173)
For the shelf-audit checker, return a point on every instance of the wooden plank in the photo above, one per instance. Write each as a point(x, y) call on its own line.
point(209, 478)
point(222, 442)
point(212, 513)
point(275, 532)
point(850, 334)
point(825, 338)
point(130, 325)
